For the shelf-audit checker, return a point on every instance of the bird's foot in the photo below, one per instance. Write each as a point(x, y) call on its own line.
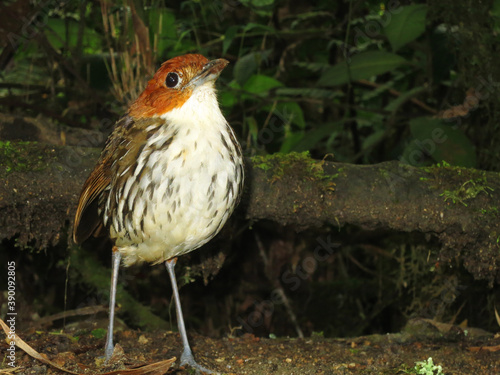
point(113, 354)
point(108, 352)
point(188, 359)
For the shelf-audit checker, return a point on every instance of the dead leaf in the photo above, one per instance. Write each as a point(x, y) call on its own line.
point(475, 349)
point(10, 370)
point(157, 368)
point(118, 354)
point(32, 352)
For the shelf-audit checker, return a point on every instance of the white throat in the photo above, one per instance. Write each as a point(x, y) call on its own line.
point(200, 110)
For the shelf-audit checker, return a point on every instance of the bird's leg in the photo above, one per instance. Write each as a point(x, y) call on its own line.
point(187, 355)
point(112, 299)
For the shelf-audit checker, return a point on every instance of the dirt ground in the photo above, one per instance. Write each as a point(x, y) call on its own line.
point(457, 350)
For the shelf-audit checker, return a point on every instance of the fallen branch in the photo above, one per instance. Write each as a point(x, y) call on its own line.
point(459, 206)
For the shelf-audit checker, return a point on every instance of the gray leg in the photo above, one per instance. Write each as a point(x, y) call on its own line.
point(112, 300)
point(187, 355)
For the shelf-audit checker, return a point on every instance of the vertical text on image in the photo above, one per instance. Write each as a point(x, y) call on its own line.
point(11, 312)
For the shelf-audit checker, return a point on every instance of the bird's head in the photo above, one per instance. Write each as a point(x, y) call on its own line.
point(174, 83)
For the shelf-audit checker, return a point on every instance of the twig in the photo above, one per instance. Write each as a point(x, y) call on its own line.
point(393, 92)
point(88, 310)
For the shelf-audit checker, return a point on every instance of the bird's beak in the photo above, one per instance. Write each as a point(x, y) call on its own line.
point(210, 72)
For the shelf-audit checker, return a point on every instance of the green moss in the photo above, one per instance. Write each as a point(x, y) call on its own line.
point(280, 160)
point(438, 168)
point(384, 172)
point(443, 164)
point(262, 162)
point(317, 335)
point(477, 183)
point(460, 171)
point(20, 157)
point(469, 190)
point(491, 211)
point(283, 164)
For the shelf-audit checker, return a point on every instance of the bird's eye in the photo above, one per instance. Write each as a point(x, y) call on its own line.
point(172, 80)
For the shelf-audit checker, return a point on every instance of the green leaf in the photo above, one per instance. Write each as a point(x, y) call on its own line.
point(308, 16)
point(99, 333)
point(260, 84)
point(164, 18)
point(248, 65)
point(228, 98)
point(495, 9)
point(373, 139)
point(57, 29)
point(262, 8)
point(229, 37)
point(406, 26)
point(251, 25)
point(441, 141)
point(181, 41)
point(306, 92)
point(164, 37)
point(253, 129)
point(291, 139)
point(362, 66)
point(495, 13)
point(313, 137)
point(291, 112)
point(262, 3)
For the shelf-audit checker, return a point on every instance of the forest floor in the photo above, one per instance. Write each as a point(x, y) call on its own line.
point(457, 350)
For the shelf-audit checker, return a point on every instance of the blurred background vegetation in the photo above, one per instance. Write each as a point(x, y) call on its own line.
point(359, 81)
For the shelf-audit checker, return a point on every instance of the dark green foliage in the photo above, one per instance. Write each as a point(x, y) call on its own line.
point(343, 78)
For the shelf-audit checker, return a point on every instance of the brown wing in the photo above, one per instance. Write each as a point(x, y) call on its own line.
point(87, 218)
point(123, 145)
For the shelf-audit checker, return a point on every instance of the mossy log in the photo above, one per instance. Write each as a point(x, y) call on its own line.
point(459, 206)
